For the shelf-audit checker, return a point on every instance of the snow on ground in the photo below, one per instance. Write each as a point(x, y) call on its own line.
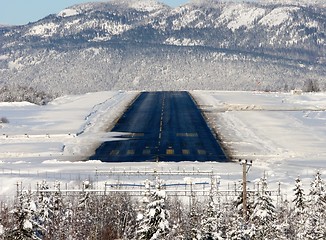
point(240, 15)
point(283, 134)
point(67, 127)
point(269, 126)
point(69, 12)
point(277, 16)
point(44, 30)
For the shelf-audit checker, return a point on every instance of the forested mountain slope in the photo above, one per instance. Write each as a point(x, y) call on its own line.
point(140, 45)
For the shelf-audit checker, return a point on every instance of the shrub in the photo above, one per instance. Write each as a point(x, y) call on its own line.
point(4, 120)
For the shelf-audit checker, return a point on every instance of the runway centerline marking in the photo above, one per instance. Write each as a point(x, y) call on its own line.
point(161, 126)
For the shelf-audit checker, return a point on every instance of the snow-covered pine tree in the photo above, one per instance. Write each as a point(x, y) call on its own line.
point(24, 227)
point(263, 216)
point(142, 207)
point(155, 222)
point(211, 223)
point(82, 221)
point(61, 226)
point(178, 218)
point(316, 212)
point(209, 230)
point(297, 218)
point(193, 224)
point(57, 198)
point(45, 208)
point(317, 192)
point(239, 228)
point(299, 197)
point(283, 225)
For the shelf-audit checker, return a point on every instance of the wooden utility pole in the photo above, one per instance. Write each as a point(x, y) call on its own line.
point(244, 164)
point(244, 189)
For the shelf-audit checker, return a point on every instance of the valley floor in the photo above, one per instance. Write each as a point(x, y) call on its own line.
point(283, 134)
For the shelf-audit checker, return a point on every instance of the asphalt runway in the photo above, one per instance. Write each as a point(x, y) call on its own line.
point(161, 126)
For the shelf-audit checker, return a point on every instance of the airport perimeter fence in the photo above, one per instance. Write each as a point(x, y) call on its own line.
point(47, 175)
point(176, 183)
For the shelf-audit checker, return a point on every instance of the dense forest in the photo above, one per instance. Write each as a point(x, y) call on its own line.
point(49, 213)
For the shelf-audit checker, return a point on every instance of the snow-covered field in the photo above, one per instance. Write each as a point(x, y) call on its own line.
point(282, 133)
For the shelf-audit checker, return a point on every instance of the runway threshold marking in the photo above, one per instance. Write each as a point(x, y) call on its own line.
point(170, 151)
point(131, 152)
point(185, 152)
point(146, 152)
point(114, 152)
point(201, 152)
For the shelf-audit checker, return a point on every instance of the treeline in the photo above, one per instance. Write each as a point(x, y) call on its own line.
point(19, 93)
point(139, 67)
point(50, 214)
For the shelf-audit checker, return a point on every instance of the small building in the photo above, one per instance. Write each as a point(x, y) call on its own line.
point(296, 91)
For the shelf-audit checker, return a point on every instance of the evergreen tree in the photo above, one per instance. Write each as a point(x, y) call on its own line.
point(61, 218)
point(193, 225)
point(299, 197)
point(178, 218)
point(143, 203)
point(211, 224)
point(24, 226)
point(298, 214)
point(263, 215)
point(317, 190)
point(284, 229)
point(155, 223)
point(83, 217)
point(45, 208)
point(316, 214)
point(209, 229)
point(239, 228)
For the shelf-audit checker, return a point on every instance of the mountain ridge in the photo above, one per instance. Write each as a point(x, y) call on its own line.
point(278, 46)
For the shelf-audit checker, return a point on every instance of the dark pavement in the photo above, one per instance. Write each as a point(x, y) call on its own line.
point(163, 126)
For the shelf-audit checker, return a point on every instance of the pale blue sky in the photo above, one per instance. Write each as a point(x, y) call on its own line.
point(17, 12)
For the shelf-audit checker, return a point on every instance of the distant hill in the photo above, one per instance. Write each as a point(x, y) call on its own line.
point(206, 44)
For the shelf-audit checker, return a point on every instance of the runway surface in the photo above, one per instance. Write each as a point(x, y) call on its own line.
point(161, 126)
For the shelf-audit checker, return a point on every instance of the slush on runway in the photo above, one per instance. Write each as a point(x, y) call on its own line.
point(161, 126)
